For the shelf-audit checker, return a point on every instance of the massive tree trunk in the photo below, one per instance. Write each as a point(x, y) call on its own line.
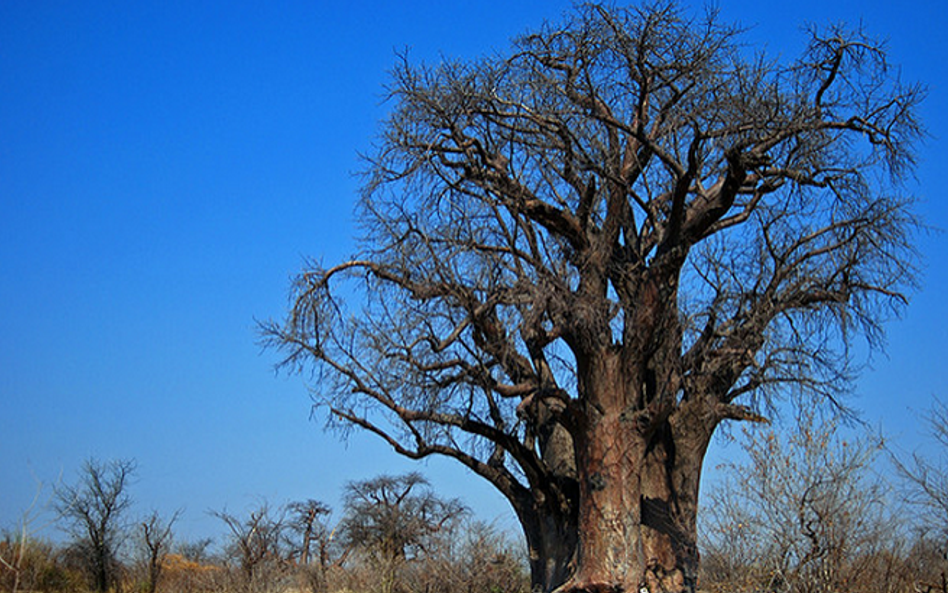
point(638, 506)
point(610, 449)
point(610, 555)
point(670, 487)
point(640, 443)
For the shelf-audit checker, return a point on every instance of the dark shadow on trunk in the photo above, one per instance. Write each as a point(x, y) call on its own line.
point(552, 537)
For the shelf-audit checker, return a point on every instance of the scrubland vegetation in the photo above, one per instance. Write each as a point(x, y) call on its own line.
point(800, 511)
point(810, 511)
point(394, 534)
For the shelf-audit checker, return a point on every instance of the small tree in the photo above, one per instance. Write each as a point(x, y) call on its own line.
point(93, 511)
point(256, 544)
point(306, 526)
point(393, 519)
point(155, 538)
point(304, 521)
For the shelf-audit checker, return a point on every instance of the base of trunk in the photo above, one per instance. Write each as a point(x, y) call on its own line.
point(655, 580)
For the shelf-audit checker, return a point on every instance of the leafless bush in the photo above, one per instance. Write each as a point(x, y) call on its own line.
point(257, 547)
point(925, 478)
point(804, 513)
point(483, 559)
point(34, 565)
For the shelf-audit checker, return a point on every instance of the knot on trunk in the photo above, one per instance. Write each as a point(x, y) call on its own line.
point(597, 482)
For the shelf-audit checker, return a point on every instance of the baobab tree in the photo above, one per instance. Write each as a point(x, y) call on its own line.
point(581, 257)
point(393, 519)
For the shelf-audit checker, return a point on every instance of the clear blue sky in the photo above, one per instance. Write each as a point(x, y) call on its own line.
point(166, 166)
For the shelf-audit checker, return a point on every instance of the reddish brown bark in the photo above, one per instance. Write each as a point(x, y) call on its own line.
point(610, 555)
point(637, 507)
point(609, 453)
point(638, 476)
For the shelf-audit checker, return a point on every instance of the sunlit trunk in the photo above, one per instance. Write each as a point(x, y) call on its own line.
point(610, 556)
point(638, 491)
point(609, 453)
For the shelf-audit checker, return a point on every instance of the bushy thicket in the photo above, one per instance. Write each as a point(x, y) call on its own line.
point(478, 559)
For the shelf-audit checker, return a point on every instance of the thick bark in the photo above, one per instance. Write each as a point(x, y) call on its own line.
point(670, 488)
point(551, 543)
point(638, 508)
point(609, 452)
point(638, 478)
point(610, 555)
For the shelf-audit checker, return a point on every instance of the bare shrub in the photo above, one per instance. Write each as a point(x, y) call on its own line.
point(805, 512)
point(256, 546)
